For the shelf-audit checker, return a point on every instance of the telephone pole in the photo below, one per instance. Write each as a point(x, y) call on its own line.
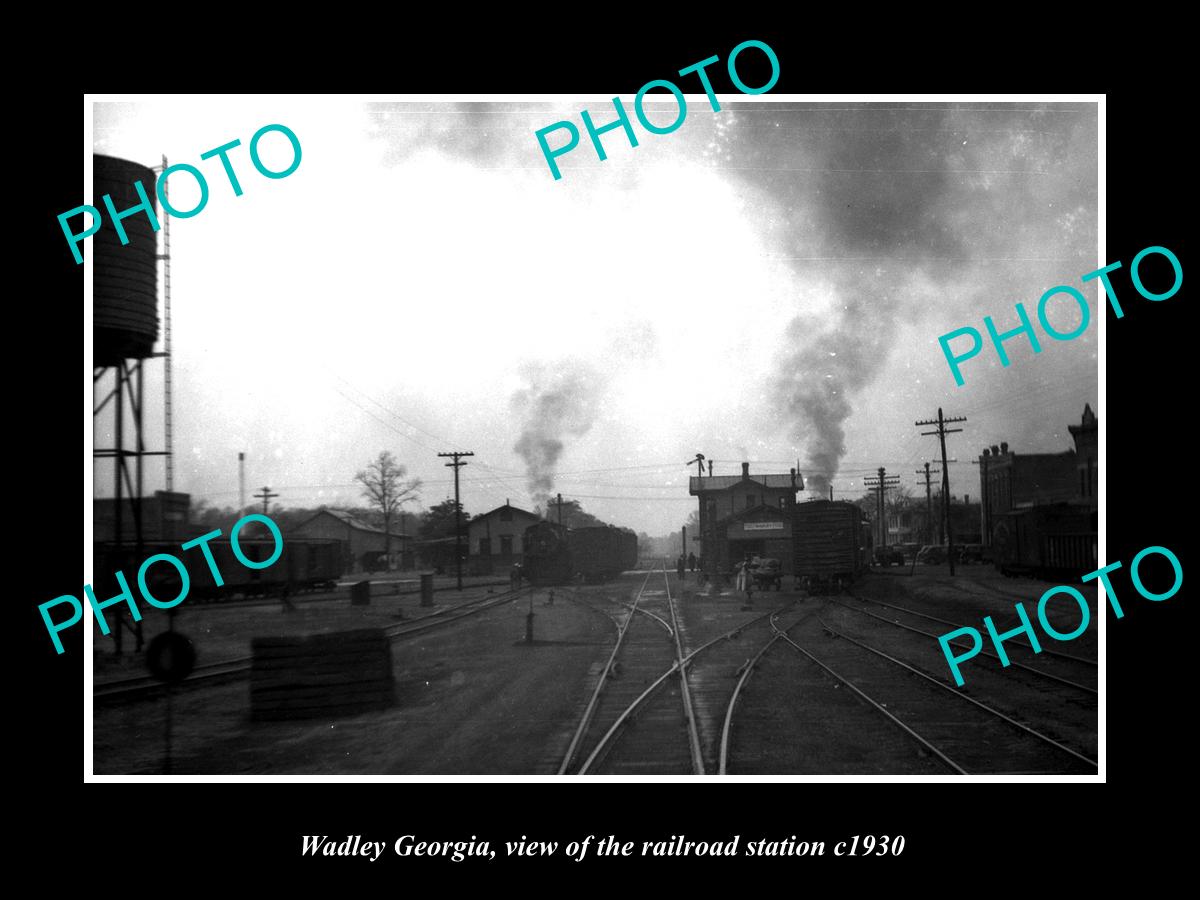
point(928, 502)
point(457, 456)
point(884, 482)
point(941, 422)
point(265, 495)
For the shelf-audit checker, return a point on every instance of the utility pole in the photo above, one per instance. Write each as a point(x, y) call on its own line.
point(457, 456)
point(941, 422)
point(559, 504)
point(883, 483)
point(241, 484)
point(266, 496)
point(831, 490)
point(928, 503)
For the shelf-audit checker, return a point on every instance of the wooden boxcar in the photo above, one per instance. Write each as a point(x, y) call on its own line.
point(1053, 541)
point(601, 553)
point(831, 543)
point(302, 565)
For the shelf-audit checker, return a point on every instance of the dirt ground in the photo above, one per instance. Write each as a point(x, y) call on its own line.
point(475, 698)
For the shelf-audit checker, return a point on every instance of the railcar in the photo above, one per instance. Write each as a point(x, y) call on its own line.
point(831, 543)
point(547, 555)
point(601, 553)
point(556, 555)
point(302, 565)
point(1054, 541)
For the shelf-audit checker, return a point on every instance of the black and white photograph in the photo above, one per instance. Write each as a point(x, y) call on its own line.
point(670, 435)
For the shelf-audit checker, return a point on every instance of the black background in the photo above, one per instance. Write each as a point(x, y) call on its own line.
point(144, 836)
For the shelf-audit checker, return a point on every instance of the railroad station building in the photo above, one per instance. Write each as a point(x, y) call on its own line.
point(363, 544)
point(744, 515)
point(494, 539)
point(1010, 480)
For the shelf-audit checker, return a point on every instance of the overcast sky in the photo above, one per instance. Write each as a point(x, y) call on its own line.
point(767, 283)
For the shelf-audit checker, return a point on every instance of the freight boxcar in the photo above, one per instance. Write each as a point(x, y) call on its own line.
point(302, 565)
point(601, 553)
point(1053, 541)
point(831, 543)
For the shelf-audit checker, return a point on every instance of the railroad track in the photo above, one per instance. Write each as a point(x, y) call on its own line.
point(642, 716)
point(976, 743)
point(239, 667)
point(744, 676)
point(962, 643)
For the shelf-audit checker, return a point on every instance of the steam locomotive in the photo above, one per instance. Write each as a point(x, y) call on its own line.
point(557, 555)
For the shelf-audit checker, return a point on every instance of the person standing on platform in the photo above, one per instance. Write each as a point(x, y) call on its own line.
point(679, 567)
point(692, 561)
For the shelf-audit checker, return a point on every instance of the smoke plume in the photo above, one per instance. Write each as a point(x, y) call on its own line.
point(557, 402)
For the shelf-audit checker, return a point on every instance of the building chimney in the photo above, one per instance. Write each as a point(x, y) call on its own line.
point(1004, 446)
point(745, 470)
point(995, 450)
point(987, 452)
point(793, 471)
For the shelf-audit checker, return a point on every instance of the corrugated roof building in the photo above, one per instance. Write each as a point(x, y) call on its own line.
point(364, 544)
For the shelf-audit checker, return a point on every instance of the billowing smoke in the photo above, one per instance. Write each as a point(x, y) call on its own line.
point(822, 368)
point(558, 401)
point(871, 197)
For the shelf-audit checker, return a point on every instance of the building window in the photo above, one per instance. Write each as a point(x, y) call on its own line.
point(506, 545)
point(782, 502)
point(749, 501)
point(485, 546)
point(506, 514)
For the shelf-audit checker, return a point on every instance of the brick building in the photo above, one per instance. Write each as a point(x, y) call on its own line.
point(1010, 480)
point(746, 514)
point(494, 539)
point(1087, 457)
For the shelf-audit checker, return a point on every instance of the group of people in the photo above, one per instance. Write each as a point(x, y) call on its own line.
point(682, 565)
point(744, 571)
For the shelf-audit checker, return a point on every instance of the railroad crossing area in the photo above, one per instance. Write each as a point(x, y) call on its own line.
point(647, 675)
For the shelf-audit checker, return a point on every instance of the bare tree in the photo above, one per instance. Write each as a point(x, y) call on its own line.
point(385, 489)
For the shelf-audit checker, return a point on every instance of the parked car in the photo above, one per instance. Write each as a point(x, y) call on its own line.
point(766, 572)
point(885, 556)
point(970, 553)
point(932, 555)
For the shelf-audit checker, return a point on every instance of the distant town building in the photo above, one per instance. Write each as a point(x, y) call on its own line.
point(1010, 480)
point(494, 538)
point(745, 515)
point(1087, 461)
point(364, 544)
point(165, 517)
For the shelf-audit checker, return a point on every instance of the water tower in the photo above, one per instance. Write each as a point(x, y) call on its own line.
point(125, 329)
